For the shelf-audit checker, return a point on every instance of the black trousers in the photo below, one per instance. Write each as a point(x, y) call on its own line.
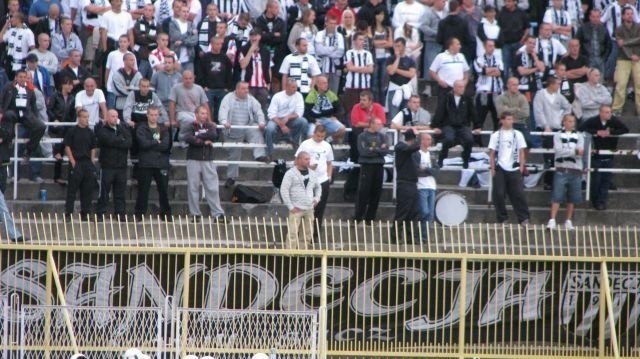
point(161, 178)
point(82, 177)
point(601, 181)
point(112, 180)
point(547, 142)
point(351, 184)
point(318, 212)
point(509, 183)
point(453, 135)
point(406, 209)
point(484, 109)
point(369, 189)
point(35, 127)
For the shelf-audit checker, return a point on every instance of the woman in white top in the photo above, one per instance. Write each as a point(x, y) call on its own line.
point(488, 29)
point(347, 24)
point(304, 28)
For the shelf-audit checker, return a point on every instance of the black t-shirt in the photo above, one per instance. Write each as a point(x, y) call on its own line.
point(573, 64)
point(217, 70)
point(305, 174)
point(81, 141)
point(406, 63)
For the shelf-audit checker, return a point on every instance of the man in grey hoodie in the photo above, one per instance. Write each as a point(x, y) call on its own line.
point(300, 191)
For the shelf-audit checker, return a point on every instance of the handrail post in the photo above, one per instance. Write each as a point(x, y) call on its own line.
point(185, 304)
point(15, 162)
point(395, 173)
point(588, 189)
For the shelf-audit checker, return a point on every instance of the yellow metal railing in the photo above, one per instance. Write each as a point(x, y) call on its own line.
point(483, 290)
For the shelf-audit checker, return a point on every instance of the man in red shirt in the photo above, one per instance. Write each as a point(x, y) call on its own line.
point(337, 9)
point(361, 114)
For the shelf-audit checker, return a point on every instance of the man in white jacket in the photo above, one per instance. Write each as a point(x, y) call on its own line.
point(300, 191)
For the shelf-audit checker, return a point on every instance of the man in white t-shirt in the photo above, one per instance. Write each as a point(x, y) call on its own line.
point(448, 67)
point(321, 155)
point(113, 24)
point(92, 100)
point(507, 159)
point(115, 61)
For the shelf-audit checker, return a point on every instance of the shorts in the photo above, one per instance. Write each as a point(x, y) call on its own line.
point(332, 126)
point(567, 187)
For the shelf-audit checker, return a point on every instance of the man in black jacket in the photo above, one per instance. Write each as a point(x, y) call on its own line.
point(456, 26)
point(154, 149)
point(80, 147)
point(217, 74)
point(602, 127)
point(406, 180)
point(18, 105)
point(75, 71)
point(451, 122)
point(201, 171)
point(114, 140)
point(372, 147)
point(273, 33)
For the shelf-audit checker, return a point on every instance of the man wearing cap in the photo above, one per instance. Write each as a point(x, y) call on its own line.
point(40, 75)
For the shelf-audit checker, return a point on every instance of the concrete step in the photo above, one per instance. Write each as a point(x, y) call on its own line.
point(478, 213)
point(623, 198)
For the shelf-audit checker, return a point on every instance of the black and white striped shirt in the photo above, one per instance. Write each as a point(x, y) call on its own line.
point(231, 6)
point(302, 68)
point(359, 58)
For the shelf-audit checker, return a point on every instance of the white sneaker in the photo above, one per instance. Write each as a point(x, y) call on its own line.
point(569, 225)
point(551, 224)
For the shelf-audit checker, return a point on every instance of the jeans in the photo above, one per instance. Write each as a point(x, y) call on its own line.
point(215, 98)
point(297, 131)
point(144, 67)
point(601, 181)
point(111, 100)
point(567, 186)
point(427, 207)
point(610, 64)
point(432, 49)
point(12, 230)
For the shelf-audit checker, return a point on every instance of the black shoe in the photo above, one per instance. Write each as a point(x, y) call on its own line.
point(612, 186)
point(137, 218)
point(196, 219)
point(349, 197)
point(99, 218)
point(20, 239)
point(68, 217)
point(440, 163)
point(465, 164)
point(167, 218)
point(265, 159)
point(600, 207)
point(221, 219)
point(229, 183)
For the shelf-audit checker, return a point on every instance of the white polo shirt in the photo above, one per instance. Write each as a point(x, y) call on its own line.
point(450, 68)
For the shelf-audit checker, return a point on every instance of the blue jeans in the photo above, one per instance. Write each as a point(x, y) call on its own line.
point(5, 217)
point(610, 64)
point(144, 67)
point(567, 187)
point(111, 100)
point(215, 98)
point(427, 204)
point(432, 49)
point(297, 131)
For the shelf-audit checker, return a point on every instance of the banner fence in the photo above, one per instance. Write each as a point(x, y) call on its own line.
point(469, 291)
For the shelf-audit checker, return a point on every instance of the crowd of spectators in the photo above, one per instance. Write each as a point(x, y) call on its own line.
point(138, 75)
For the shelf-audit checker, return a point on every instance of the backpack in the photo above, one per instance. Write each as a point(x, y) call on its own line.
point(244, 194)
point(278, 172)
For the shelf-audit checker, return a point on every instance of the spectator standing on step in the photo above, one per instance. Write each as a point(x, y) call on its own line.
point(114, 140)
point(603, 129)
point(301, 192)
point(80, 147)
point(507, 160)
point(568, 146)
point(321, 159)
point(628, 61)
point(517, 104)
point(61, 108)
point(514, 25)
point(372, 147)
point(592, 94)
point(595, 42)
point(406, 184)
point(201, 171)
point(154, 150)
point(448, 67)
point(428, 171)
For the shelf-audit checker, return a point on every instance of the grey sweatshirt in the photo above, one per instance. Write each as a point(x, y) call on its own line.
point(369, 147)
point(591, 97)
point(295, 194)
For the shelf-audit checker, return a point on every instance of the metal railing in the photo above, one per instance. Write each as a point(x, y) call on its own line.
point(394, 138)
point(468, 291)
